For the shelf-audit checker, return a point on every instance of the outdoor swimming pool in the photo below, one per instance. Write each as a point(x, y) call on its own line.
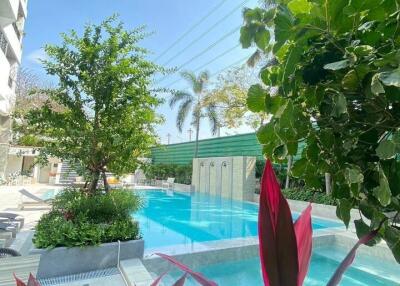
point(366, 271)
point(172, 218)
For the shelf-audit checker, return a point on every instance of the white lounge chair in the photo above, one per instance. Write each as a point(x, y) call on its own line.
point(9, 227)
point(169, 183)
point(34, 200)
point(12, 217)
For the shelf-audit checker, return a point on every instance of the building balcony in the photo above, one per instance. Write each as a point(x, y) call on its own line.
point(24, 7)
point(9, 11)
point(14, 48)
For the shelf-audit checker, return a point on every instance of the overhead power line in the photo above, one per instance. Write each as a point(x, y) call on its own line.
point(205, 50)
point(215, 8)
point(241, 60)
point(205, 33)
point(216, 58)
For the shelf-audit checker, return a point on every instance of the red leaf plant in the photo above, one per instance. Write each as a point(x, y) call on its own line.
point(197, 276)
point(285, 248)
point(31, 281)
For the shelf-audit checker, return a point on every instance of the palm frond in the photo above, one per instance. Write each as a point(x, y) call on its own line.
point(179, 96)
point(183, 112)
point(202, 80)
point(190, 77)
point(212, 116)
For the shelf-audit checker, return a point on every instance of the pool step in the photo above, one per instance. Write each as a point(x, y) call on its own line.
point(367, 264)
point(135, 273)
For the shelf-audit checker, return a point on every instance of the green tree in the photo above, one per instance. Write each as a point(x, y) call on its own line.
point(335, 78)
point(195, 102)
point(107, 120)
point(229, 95)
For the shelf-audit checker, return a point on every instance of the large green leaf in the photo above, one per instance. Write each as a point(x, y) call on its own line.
point(350, 81)
point(284, 22)
point(262, 38)
point(300, 7)
point(392, 238)
point(274, 104)
point(337, 65)
point(376, 86)
point(387, 149)
point(354, 175)
point(339, 105)
point(256, 98)
point(245, 37)
point(299, 167)
point(382, 192)
point(265, 133)
point(363, 229)
point(390, 77)
point(343, 211)
point(291, 60)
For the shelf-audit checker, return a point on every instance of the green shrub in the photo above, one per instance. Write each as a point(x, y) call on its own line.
point(181, 173)
point(100, 207)
point(308, 195)
point(78, 219)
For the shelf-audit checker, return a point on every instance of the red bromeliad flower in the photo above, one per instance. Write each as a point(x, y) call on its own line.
point(285, 248)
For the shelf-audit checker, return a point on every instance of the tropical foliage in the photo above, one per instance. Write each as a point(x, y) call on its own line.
point(77, 219)
point(194, 102)
point(309, 195)
point(108, 115)
point(334, 83)
point(181, 173)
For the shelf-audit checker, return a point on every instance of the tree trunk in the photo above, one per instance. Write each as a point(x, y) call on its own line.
point(106, 185)
point(93, 183)
point(196, 150)
point(289, 166)
point(328, 182)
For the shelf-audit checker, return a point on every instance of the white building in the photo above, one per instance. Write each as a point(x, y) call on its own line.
point(12, 19)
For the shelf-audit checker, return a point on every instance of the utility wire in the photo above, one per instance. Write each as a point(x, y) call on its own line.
point(205, 33)
point(204, 51)
point(215, 8)
point(231, 65)
point(216, 58)
point(217, 72)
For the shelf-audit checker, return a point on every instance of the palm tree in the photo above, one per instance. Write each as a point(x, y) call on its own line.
point(194, 103)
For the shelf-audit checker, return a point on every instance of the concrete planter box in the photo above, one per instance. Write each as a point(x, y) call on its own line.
point(62, 261)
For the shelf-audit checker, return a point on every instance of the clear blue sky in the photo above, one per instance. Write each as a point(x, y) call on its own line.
point(168, 19)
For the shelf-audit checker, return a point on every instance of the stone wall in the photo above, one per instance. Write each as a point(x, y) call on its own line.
point(228, 177)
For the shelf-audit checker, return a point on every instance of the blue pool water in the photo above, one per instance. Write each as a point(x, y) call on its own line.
point(49, 194)
point(323, 264)
point(171, 218)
